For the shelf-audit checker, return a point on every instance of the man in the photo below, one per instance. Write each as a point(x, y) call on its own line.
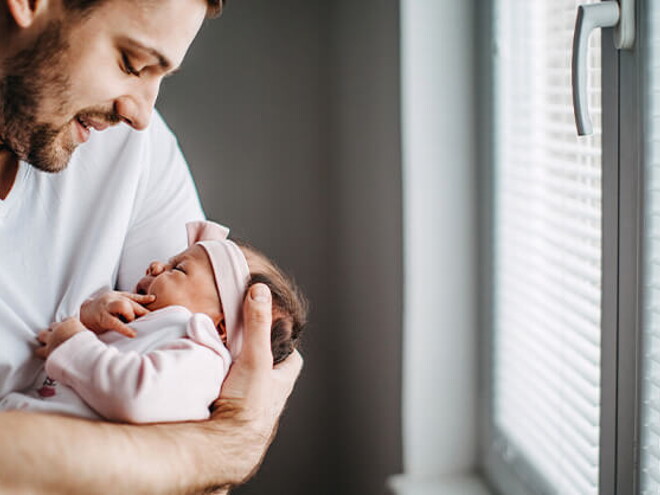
point(85, 203)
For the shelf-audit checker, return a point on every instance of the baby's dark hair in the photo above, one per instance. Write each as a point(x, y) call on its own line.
point(290, 306)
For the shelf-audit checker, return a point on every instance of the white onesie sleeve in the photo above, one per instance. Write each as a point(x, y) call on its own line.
point(177, 381)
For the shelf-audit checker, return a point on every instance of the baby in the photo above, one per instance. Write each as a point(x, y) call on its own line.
point(184, 328)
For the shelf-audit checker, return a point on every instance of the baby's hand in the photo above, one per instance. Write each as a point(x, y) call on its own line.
point(56, 334)
point(112, 310)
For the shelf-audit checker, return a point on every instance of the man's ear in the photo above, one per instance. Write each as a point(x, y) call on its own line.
point(23, 11)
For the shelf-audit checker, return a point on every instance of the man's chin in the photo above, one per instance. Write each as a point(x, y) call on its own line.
point(51, 158)
point(51, 164)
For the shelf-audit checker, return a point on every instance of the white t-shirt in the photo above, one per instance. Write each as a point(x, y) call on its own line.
point(122, 202)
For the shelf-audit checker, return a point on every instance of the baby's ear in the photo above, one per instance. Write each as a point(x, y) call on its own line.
point(222, 329)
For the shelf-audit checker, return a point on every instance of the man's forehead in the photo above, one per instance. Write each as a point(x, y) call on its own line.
point(163, 29)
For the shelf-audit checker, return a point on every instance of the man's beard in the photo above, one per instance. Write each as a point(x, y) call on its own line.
point(29, 79)
point(27, 76)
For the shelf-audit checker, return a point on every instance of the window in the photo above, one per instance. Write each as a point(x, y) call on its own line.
point(649, 479)
point(564, 392)
point(547, 253)
point(571, 295)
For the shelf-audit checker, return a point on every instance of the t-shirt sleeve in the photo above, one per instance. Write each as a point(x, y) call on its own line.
point(166, 200)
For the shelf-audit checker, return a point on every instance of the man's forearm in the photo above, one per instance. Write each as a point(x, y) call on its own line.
point(48, 454)
point(53, 454)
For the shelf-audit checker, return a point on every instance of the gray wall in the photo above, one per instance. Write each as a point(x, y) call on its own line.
point(288, 113)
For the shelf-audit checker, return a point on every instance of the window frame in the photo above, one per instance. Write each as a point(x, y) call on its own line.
point(631, 242)
point(622, 211)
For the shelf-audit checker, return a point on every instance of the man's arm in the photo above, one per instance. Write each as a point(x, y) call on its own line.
point(52, 454)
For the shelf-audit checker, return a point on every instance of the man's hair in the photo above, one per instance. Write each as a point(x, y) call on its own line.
point(290, 307)
point(214, 7)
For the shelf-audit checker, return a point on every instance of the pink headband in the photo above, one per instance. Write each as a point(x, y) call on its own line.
point(231, 275)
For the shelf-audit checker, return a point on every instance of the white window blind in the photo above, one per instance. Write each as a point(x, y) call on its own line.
point(650, 410)
point(547, 261)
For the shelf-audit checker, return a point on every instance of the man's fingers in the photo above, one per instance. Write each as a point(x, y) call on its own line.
point(285, 374)
point(258, 316)
point(291, 366)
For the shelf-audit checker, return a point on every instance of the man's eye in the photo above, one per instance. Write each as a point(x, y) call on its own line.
point(178, 268)
point(128, 66)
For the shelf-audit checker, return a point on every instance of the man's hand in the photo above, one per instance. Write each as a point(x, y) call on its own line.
point(56, 334)
point(112, 310)
point(157, 459)
point(254, 388)
point(254, 393)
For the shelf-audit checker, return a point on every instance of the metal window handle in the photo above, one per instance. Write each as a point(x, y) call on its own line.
point(589, 17)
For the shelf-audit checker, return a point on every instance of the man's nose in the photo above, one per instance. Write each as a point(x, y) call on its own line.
point(155, 268)
point(136, 107)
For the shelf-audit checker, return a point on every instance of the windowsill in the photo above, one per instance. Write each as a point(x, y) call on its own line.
point(450, 485)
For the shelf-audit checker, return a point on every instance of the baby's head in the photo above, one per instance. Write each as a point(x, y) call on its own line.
point(289, 304)
point(212, 277)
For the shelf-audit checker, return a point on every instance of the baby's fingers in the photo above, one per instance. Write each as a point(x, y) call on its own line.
point(113, 323)
point(140, 298)
point(41, 352)
point(43, 336)
point(130, 306)
point(140, 310)
point(123, 329)
point(125, 310)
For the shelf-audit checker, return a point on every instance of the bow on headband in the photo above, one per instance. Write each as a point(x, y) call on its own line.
point(206, 231)
point(231, 272)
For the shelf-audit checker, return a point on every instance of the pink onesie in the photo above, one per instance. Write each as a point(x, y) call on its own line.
point(171, 371)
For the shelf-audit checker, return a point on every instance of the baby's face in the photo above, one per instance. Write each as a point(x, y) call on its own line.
point(185, 280)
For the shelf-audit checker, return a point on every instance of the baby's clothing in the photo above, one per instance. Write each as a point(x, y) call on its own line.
point(171, 371)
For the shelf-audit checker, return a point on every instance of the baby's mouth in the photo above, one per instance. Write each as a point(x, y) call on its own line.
point(142, 287)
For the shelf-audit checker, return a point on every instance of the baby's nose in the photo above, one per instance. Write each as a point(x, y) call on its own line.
point(155, 268)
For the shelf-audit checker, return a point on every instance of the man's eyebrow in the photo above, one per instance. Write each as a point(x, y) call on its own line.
point(163, 61)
